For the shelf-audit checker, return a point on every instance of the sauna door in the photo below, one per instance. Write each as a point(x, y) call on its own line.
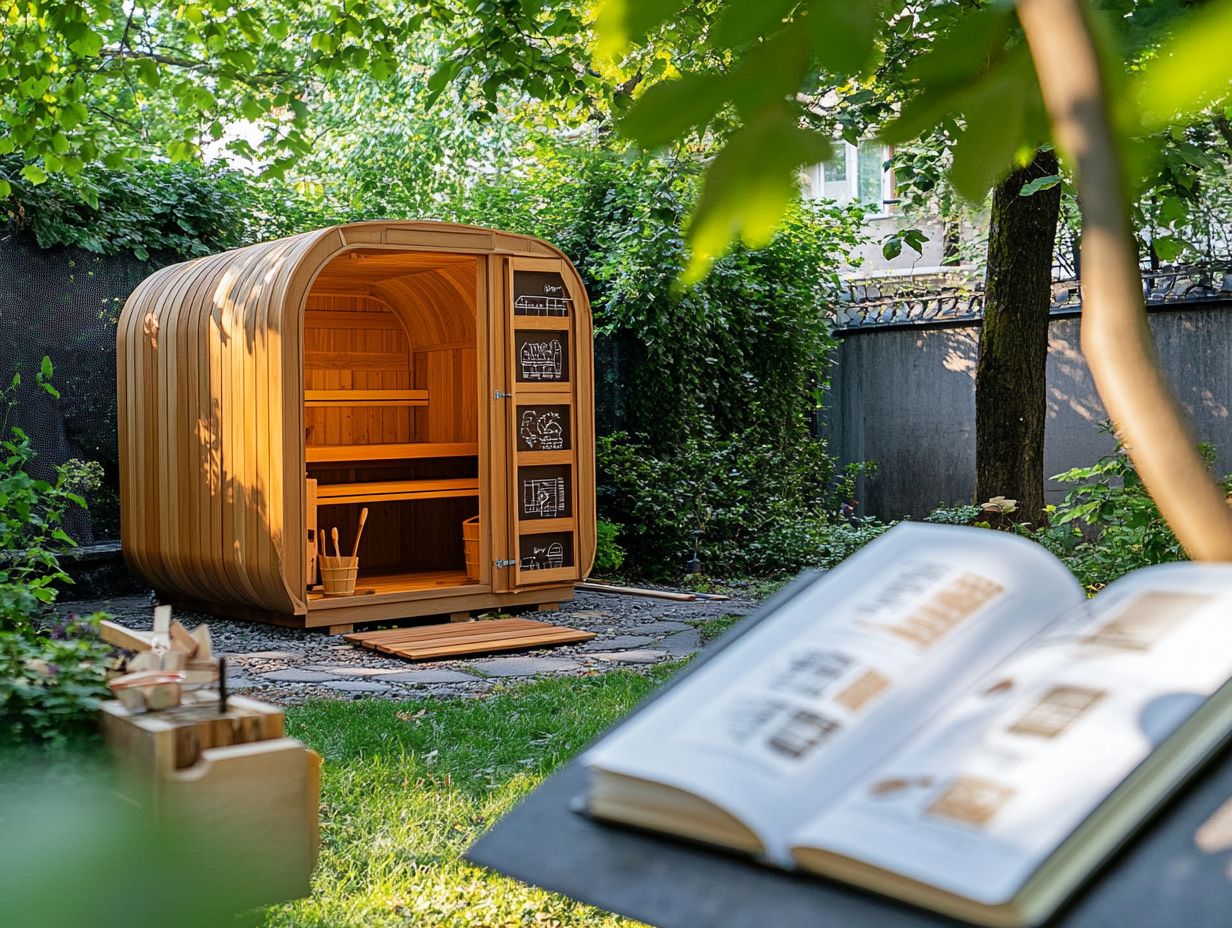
point(542, 420)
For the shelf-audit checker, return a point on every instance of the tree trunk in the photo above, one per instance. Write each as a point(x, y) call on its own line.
point(1010, 397)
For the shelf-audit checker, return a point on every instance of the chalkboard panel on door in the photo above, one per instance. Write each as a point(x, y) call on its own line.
point(543, 480)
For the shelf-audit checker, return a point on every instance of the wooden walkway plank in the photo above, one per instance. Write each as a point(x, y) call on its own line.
point(434, 642)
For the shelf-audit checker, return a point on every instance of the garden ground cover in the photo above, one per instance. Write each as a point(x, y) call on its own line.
point(408, 786)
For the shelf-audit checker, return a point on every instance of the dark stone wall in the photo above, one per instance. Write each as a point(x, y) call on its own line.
point(905, 398)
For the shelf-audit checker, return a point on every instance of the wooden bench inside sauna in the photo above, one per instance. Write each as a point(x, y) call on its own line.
point(438, 376)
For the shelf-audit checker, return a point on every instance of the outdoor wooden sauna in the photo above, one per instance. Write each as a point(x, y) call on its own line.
point(432, 373)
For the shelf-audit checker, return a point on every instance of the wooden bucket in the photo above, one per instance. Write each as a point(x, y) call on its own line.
point(470, 546)
point(338, 575)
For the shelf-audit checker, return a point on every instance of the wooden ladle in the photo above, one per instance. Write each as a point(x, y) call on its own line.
point(363, 517)
point(333, 534)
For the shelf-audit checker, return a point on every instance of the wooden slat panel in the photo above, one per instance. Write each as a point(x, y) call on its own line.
point(333, 319)
point(436, 642)
point(394, 490)
point(384, 397)
point(392, 452)
point(355, 361)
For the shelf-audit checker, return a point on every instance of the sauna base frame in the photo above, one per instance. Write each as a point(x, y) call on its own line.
point(410, 604)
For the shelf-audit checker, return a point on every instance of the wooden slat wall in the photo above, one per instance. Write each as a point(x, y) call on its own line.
point(211, 407)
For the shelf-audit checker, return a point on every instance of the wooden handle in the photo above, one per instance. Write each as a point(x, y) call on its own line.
point(333, 534)
point(363, 517)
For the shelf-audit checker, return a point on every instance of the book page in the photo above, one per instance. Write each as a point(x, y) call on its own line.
point(797, 707)
point(980, 798)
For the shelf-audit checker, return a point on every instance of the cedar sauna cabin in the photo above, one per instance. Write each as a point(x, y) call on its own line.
point(435, 374)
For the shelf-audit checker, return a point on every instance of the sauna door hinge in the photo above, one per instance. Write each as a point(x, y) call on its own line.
point(501, 395)
point(500, 564)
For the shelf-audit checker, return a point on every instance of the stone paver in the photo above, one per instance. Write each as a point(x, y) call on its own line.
point(524, 666)
point(299, 676)
point(357, 686)
point(287, 665)
point(682, 644)
point(269, 655)
point(617, 643)
point(641, 656)
point(660, 628)
point(348, 670)
point(428, 677)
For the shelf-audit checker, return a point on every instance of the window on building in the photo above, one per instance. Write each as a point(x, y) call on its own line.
point(856, 174)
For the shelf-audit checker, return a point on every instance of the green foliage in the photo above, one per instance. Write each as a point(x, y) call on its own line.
point(609, 555)
point(1108, 525)
point(31, 518)
point(750, 507)
point(51, 678)
point(954, 515)
point(52, 683)
point(181, 209)
point(82, 82)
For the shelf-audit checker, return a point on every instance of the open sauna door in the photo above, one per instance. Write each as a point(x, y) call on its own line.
point(541, 418)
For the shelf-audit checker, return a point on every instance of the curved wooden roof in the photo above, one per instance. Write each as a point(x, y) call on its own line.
point(210, 411)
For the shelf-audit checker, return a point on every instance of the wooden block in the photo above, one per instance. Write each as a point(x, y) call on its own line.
point(459, 617)
point(123, 637)
point(341, 629)
point(549, 607)
point(154, 744)
point(181, 640)
point(264, 799)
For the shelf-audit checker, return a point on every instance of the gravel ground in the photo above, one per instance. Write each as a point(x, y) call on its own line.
point(287, 666)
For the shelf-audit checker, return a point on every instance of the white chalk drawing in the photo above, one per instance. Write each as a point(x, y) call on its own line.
point(545, 558)
point(542, 431)
point(542, 360)
point(528, 305)
point(544, 497)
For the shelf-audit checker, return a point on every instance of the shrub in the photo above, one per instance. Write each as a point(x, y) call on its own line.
point(954, 515)
point(1108, 525)
point(52, 674)
point(608, 554)
point(52, 683)
point(748, 507)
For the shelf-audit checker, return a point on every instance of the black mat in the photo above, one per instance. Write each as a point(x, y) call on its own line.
point(1162, 879)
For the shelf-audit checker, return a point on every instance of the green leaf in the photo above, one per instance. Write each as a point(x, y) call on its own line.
point(1046, 182)
point(670, 108)
point(744, 21)
point(34, 174)
point(963, 49)
point(46, 370)
point(1168, 247)
point(621, 22)
point(844, 32)
point(748, 187)
point(995, 122)
point(1193, 68)
point(5, 189)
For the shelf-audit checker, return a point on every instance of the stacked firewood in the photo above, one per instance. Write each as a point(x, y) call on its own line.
point(163, 665)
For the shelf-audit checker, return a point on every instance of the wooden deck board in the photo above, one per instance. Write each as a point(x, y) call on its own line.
point(433, 642)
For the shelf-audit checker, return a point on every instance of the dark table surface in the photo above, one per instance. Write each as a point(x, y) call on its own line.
point(1169, 876)
point(1176, 873)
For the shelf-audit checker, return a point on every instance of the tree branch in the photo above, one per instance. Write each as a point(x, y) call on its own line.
point(1116, 340)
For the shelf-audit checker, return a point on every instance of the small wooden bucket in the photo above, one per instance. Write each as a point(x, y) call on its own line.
point(338, 575)
point(470, 547)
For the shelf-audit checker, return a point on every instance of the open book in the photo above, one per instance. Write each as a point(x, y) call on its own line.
point(944, 718)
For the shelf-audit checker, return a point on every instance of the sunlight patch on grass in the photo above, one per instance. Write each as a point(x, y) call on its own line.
point(408, 786)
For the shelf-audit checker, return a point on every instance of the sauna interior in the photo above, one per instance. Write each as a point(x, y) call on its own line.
point(391, 415)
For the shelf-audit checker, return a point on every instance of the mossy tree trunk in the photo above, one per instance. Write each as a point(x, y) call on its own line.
point(1010, 395)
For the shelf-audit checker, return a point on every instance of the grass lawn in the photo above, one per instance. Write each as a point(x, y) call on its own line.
point(409, 785)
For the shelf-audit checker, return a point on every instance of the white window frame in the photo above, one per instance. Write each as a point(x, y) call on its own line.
point(816, 177)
